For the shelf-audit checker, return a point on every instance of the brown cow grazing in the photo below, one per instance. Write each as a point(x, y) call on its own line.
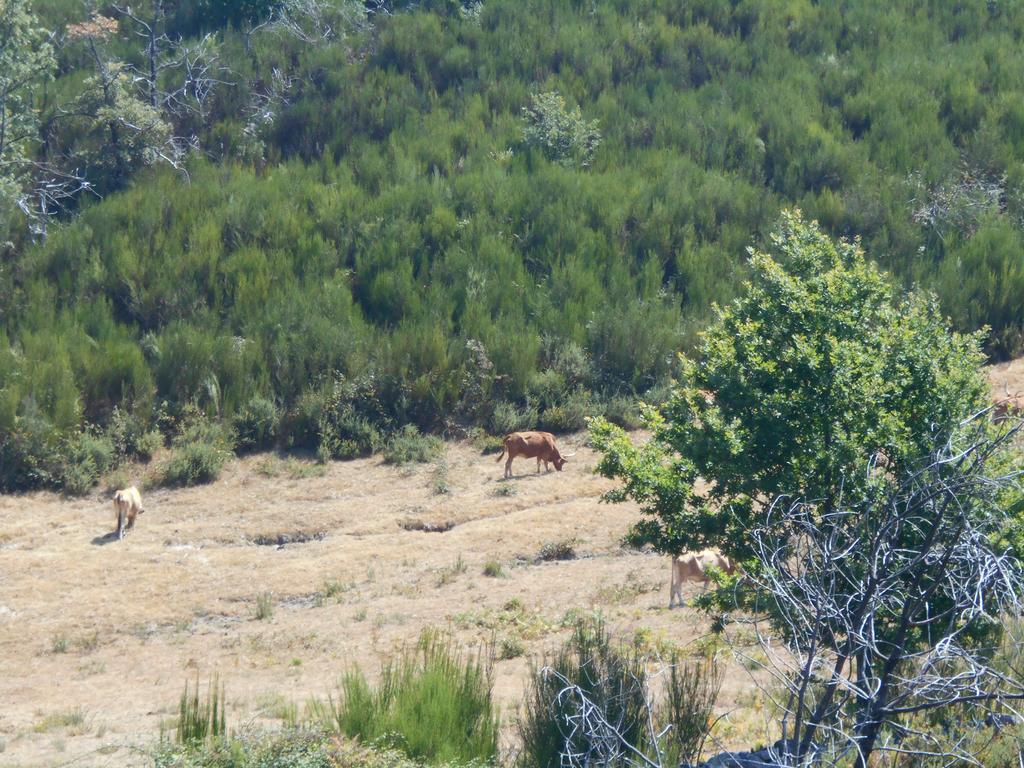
point(538, 445)
point(694, 566)
point(127, 504)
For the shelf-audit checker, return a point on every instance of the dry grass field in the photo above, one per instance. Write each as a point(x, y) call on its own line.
point(97, 636)
point(1007, 378)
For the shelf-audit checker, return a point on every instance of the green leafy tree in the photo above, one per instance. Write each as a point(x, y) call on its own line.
point(562, 134)
point(117, 132)
point(815, 368)
point(26, 59)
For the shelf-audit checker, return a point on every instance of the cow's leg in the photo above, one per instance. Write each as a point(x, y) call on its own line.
point(538, 465)
point(508, 467)
point(120, 522)
point(131, 518)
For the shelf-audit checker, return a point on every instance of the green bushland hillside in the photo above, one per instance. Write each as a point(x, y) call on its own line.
point(509, 213)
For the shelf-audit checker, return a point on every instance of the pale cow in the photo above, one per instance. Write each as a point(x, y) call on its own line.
point(127, 504)
point(693, 566)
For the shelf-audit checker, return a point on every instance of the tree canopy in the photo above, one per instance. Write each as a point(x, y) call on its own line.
point(26, 62)
point(818, 365)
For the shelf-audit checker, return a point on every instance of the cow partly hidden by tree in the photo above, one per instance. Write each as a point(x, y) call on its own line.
point(538, 445)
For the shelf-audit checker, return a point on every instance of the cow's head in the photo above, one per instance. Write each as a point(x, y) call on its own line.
point(560, 459)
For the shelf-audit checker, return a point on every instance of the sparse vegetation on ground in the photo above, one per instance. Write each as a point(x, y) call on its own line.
point(563, 549)
point(264, 606)
point(293, 747)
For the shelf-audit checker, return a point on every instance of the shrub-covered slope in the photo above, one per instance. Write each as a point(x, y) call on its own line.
point(420, 231)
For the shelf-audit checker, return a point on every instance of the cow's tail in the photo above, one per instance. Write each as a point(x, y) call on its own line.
point(502, 454)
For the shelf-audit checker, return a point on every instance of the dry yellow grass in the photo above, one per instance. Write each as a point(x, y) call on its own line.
point(113, 629)
point(1007, 378)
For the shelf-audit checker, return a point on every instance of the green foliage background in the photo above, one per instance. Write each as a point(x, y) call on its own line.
point(391, 236)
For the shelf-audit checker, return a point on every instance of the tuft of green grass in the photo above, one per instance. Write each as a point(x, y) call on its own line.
point(72, 718)
point(441, 486)
point(264, 606)
point(511, 648)
point(515, 605)
point(88, 643)
point(434, 703)
point(200, 721)
point(493, 569)
point(504, 490)
point(59, 644)
point(449, 573)
point(335, 589)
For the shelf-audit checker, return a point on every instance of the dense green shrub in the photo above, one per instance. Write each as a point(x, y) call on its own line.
point(192, 464)
point(345, 426)
point(409, 446)
point(300, 425)
point(560, 133)
point(151, 442)
point(624, 412)
point(198, 452)
point(485, 443)
point(570, 415)
point(433, 703)
point(30, 454)
point(256, 425)
point(86, 456)
point(508, 418)
point(348, 437)
point(125, 431)
point(394, 230)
